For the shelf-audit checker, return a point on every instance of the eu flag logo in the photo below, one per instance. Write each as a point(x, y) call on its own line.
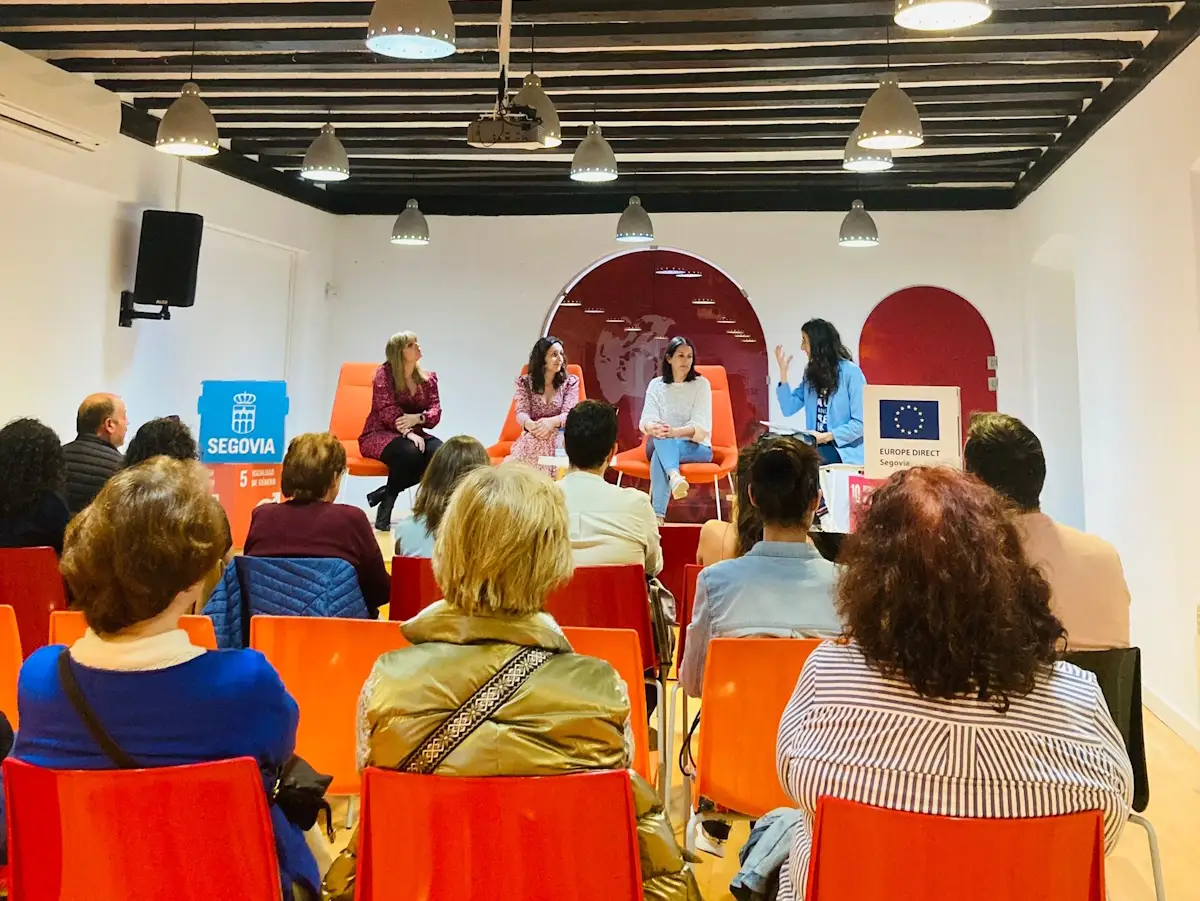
point(916, 420)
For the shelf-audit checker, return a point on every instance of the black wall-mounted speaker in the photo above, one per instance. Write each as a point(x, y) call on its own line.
point(168, 258)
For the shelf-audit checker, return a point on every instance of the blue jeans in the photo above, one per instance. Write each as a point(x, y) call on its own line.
point(665, 455)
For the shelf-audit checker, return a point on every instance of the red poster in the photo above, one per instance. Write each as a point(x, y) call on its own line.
point(860, 489)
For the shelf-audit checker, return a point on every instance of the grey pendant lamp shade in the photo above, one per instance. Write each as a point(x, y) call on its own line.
point(862, 159)
point(941, 15)
point(858, 228)
point(411, 227)
point(326, 158)
point(594, 159)
point(188, 128)
point(634, 226)
point(890, 120)
point(532, 95)
point(411, 29)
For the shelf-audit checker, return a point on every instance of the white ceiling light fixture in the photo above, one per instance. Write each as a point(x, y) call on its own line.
point(633, 328)
point(726, 320)
point(890, 120)
point(689, 273)
point(595, 311)
point(634, 226)
point(188, 127)
point(863, 159)
point(703, 301)
point(411, 29)
point(411, 228)
point(533, 97)
point(567, 302)
point(669, 270)
point(326, 158)
point(941, 15)
point(615, 320)
point(858, 228)
point(594, 160)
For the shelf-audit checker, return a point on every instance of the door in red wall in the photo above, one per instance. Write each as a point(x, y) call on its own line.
point(930, 336)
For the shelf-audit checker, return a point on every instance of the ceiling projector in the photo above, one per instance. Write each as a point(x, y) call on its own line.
point(514, 127)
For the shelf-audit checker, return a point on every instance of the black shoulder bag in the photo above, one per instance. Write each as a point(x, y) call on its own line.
point(298, 790)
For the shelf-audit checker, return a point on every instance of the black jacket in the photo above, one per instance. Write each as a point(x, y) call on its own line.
point(90, 462)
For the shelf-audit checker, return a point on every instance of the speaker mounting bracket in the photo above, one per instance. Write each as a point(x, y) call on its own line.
point(129, 311)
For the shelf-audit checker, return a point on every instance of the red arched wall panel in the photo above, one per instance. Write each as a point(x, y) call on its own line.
point(930, 336)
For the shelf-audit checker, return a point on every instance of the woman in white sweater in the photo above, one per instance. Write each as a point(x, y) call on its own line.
point(677, 420)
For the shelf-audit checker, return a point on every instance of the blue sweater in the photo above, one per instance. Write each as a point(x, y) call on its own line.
point(222, 704)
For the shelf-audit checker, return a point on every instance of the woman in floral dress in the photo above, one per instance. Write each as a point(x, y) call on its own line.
point(544, 397)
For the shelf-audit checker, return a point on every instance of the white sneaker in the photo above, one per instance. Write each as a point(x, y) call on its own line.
point(704, 841)
point(679, 487)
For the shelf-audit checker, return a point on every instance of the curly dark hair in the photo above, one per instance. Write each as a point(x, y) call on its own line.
point(936, 590)
point(31, 461)
point(825, 353)
point(537, 365)
point(748, 525)
point(163, 437)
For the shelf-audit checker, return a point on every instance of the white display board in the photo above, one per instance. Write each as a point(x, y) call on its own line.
point(910, 425)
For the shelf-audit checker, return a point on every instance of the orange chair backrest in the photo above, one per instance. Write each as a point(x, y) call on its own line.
point(916, 857)
point(68, 626)
point(352, 402)
point(31, 584)
point(140, 835)
point(323, 663)
point(691, 575)
point(537, 838)
point(747, 684)
point(510, 431)
point(724, 433)
point(607, 597)
point(414, 587)
point(10, 663)
point(620, 647)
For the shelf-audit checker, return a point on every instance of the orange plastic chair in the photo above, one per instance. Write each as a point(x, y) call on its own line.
point(31, 584)
point(620, 648)
point(545, 838)
point(413, 587)
point(188, 833)
point(511, 431)
point(916, 857)
point(633, 463)
point(351, 404)
point(10, 663)
point(747, 684)
point(679, 543)
point(68, 626)
point(323, 663)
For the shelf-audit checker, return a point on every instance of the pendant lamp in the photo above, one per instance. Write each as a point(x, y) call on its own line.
point(411, 29)
point(861, 159)
point(858, 228)
point(594, 160)
point(188, 128)
point(411, 227)
point(941, 15)
point(532, 95)
point(326, 159)
point(890, 120)
point(634, 226)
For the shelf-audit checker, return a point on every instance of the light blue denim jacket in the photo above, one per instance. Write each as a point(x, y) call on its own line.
point(845, 409)
point(778, 588)
point(412, 538)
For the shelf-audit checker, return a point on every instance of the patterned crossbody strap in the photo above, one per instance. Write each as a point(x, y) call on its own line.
point(493, 695)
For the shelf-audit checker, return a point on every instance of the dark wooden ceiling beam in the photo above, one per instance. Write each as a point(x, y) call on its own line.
point(656, 186)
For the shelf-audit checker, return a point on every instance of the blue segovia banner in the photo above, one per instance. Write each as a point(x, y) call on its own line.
point(242, 422)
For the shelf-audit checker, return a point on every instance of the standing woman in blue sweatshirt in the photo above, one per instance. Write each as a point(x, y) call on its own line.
point(830, 393)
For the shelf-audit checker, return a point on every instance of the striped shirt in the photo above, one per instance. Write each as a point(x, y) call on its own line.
point(851, 733)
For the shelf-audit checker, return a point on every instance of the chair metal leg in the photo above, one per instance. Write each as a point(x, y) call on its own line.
point(1160, 891)
point(666, 762)
point(717, 495)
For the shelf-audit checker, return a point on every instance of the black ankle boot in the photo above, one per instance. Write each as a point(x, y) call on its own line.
point(376, 496)
point(383, 517)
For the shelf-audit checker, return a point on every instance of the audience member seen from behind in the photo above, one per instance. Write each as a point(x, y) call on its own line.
point(405, 405)
point(544, 397)
point(608, 524)
point(93, 456)
point(720, 540)
point(503, 546)
point(952, 645)
point(457, 457)
point(32, 511)
point(1087, 585)
point(135, 561)
point(677, 423)
point(310, 524)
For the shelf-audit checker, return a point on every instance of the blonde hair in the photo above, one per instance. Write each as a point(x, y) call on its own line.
point(503, 545)
point(394, 353)
point(313, 463)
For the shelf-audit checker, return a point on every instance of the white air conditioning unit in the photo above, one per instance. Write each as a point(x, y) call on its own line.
point(41, 101)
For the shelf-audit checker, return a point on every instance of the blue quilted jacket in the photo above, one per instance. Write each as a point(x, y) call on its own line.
point(281, 586)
